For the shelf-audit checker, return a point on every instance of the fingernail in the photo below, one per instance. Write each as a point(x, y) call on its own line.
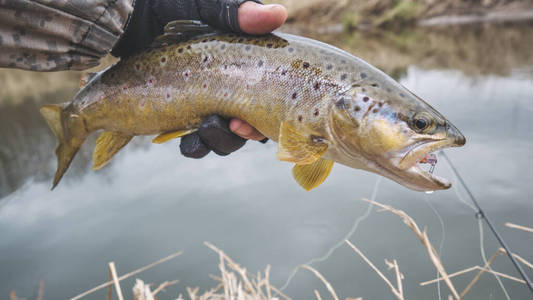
point(271, 6)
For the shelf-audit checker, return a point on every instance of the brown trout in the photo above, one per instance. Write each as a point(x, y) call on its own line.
point(319, 103)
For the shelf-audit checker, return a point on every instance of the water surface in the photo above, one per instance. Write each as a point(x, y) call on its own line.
point(150, 201)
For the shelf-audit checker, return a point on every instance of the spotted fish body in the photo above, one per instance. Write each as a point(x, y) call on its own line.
point(316, 100)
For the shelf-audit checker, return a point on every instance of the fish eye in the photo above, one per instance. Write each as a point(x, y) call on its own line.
point(421, 122)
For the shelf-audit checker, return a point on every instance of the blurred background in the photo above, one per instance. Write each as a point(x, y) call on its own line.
point(471, 60)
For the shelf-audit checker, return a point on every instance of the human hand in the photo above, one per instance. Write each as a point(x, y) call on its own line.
point(248, 16)
point(253, 18)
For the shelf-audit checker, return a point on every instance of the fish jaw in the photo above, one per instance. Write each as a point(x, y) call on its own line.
point(408, 169)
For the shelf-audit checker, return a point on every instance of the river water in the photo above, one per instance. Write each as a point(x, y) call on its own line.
point(150, 202)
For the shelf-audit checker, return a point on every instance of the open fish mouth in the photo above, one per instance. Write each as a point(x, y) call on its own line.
point(414, 175)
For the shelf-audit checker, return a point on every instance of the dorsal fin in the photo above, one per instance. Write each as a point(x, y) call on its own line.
point(181, 31)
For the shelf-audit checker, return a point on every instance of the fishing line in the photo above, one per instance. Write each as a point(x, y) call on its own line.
point(341, 242)
point(484, 257)
point(443, 238)
point(481, 215)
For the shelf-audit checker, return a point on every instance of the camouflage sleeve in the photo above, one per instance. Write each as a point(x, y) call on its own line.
point(53, 35)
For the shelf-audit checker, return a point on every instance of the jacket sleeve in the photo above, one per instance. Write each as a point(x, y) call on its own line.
point(44, 35)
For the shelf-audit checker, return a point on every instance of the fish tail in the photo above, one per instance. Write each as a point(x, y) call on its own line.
point(65, 126)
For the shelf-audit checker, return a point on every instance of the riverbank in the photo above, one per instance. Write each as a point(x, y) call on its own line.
point(358, 14)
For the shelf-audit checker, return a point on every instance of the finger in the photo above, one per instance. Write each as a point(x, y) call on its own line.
point(255, 18)
point(191, 146)
point(245, 130)
point(215, 133)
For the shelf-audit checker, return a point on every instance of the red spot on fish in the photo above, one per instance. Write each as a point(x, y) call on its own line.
point(124, 87)
point(205, 85)
point(225, 94)
point(150, 80)
point(142, 104)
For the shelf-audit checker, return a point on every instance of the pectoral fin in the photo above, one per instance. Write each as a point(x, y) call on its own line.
point(107, 145)
point(297, 148)
point(312, 175)
point(167, 136)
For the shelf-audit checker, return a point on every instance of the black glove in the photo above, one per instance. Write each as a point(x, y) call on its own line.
point(213, 134)
point(150, 17)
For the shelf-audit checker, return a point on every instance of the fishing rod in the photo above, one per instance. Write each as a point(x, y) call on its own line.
point(481, 214)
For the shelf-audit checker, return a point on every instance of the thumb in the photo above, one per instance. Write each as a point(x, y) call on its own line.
point(250, 17)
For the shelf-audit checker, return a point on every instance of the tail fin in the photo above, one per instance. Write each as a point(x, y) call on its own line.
point(68, 147)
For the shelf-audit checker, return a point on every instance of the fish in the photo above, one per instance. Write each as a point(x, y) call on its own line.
point(319, 103)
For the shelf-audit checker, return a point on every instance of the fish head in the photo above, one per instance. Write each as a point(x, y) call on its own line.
point(386, 129)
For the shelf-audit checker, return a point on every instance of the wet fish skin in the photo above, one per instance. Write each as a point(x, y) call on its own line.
point(318, 102)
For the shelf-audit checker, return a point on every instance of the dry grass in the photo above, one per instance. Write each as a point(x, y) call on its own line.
point(236, 283)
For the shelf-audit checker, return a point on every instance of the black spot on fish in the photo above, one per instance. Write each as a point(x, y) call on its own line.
point(363, 90)
point(204, 41)
point(343, 76)
point(357, 108)
point(316, 113)
point(375, 85)
point(137, 67)
point(180, 50)
point(343, 61)
point(260, 63)
point(375, 110)
point(164, 59)
point(212, 39)
point(269, 45)
point(341, 103)
point(363, 75)
point(380, 104)
point(317, 85)
point(365, 99)
point(294, 95)
point(248, 47)
point(306, 65)
point(240, 40)
point(356, 85)
point(300, 118)
point(284, 72)
point(402, 95)
point(329, 67)
point(223, 47)
point(189, 47)
point(291, 49)
point(205, 58)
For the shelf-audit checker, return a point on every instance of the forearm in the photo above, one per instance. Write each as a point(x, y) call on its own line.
point(60, 35)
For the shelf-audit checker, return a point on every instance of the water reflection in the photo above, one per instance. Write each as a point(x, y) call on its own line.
point(150, 201)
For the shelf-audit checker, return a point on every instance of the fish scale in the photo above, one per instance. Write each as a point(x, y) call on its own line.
point(318, 102)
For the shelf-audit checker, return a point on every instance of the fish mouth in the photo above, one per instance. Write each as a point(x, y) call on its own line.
point(409, 166)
